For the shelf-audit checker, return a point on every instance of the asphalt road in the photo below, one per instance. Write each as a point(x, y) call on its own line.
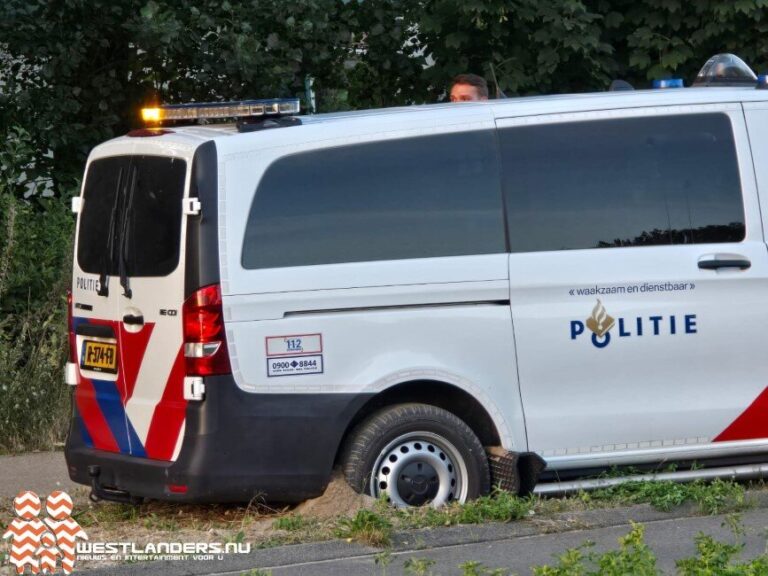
point(41, 472)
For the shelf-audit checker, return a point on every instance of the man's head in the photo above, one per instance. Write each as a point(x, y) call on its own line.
point(467, 87)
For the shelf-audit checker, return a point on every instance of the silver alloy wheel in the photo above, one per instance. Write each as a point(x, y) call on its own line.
point(419, 468)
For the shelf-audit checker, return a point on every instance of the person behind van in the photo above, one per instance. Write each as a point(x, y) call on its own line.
point(468, 87)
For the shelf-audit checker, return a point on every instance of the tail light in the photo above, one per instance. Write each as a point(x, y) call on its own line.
point(205, 344)
point(71, 330)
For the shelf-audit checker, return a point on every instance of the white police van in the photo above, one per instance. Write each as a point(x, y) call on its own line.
point(436, 298)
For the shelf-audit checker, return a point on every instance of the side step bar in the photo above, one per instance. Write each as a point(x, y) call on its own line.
point(747, 472)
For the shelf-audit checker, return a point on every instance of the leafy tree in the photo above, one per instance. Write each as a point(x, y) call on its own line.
point(74, 72)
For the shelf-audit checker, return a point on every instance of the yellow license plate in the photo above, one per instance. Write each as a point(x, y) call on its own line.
point(99, 357)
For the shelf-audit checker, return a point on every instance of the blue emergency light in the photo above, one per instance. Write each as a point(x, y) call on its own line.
point(668, 83)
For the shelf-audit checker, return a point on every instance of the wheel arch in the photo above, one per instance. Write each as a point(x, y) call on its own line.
point(437, 393)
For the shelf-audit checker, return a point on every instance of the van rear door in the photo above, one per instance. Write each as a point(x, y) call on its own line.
point(127, 296)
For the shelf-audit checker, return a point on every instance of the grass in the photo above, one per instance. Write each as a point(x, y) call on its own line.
point(712, 497)
point(366, 526)
point(35, 271)
point(500, 506)
point(171, 517)
point(294, 522)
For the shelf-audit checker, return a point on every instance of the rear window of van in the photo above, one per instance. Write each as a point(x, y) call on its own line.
point(131, 205)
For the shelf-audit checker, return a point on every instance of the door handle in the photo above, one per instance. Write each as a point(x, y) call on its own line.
point(132, 320)
point(717, 261)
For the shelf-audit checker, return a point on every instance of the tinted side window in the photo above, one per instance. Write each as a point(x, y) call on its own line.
point(411, 198)
point(627, 182)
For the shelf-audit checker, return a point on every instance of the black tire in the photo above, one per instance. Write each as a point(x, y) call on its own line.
point(418, 454)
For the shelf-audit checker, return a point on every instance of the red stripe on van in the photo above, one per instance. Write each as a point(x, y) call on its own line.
point(752, 423)
point(132, 349)
point(169, 414)
point(93, 418)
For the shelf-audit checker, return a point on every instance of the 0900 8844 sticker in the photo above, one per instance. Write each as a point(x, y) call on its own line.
point(295, 365)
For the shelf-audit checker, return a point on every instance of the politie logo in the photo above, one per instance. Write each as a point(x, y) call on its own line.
point(41, 545)
point(600, 324)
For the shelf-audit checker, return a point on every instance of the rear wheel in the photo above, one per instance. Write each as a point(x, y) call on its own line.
point(416, 454)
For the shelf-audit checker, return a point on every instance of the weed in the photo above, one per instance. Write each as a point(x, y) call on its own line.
point(107, 514)
point(633, 557)
point(418, 566)
point(500, 506)
point(718, 496)
point(712, 497)
point(383, 559)
point(474, 568)
point(715, 558)
point(257, 572)
point(293, 523)
point(238, 538)
point(160, 522)
point(366, 526)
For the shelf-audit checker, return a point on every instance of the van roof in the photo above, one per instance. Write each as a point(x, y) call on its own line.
point(545, 104)
point(193, 135)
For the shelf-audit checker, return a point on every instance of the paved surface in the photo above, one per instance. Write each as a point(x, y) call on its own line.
point(517, 546)
point(42, 472)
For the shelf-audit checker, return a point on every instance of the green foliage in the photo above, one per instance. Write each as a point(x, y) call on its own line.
point(633, 557)
point(474, 568)
point(383, 559)
point(366, 526)
point(719, 559)
point(500, 506)
point(74, 73)
point(713, 558)
point(418, 566)
point(34, 275)
point(712, 497)
point(293, 523)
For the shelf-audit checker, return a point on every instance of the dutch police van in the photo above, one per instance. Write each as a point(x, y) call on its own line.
point(435, 298)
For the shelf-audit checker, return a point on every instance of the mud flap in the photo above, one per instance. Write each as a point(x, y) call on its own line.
point(515, 472)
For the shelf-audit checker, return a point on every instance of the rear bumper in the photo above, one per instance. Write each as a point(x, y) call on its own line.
point(237, 446)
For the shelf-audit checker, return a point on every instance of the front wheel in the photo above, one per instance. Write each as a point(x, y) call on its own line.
point(416, 454)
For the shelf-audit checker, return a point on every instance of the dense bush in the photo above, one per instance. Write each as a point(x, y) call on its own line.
point(35, 241)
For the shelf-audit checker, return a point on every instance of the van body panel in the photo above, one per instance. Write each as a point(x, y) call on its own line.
point(381, 323)
point(682, 365)
point(238, 446)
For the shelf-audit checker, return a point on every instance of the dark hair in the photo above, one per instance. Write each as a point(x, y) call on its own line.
point(473, 80)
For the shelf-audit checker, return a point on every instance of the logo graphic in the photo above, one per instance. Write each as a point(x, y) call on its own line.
point(39, 544)
point(600, 323)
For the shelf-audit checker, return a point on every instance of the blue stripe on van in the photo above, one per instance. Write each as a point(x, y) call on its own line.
point(137, 448)
point(87, 440)
point(112, 407)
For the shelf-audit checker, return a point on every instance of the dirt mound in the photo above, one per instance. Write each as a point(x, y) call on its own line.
point(338, 500)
